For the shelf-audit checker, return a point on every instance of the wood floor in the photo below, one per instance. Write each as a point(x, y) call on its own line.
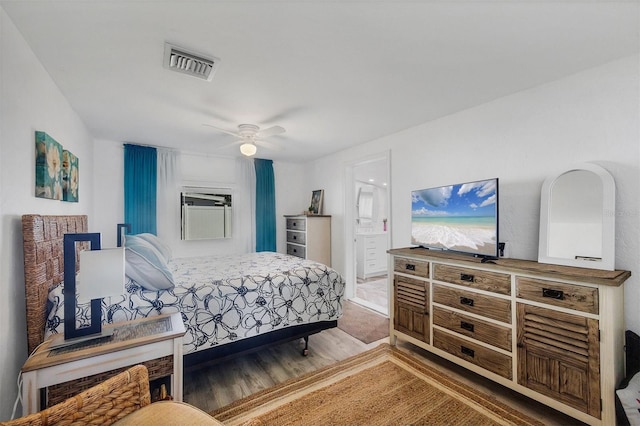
point(214, 386)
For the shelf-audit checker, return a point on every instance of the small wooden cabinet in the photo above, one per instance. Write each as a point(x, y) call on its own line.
point(155, 341)
point(371, 255)
point(553, 333)
point(309, 237)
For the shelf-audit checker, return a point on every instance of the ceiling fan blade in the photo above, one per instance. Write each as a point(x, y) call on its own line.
point(229, 145)
point(269, 145)
point(223, 130)
point(274, 130)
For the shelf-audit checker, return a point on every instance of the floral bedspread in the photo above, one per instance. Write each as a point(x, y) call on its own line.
point(225, 298)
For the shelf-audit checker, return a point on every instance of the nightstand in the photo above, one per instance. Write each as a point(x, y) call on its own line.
point(148, 341)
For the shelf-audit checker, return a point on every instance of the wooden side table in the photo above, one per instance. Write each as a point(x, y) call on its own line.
point(133, 342)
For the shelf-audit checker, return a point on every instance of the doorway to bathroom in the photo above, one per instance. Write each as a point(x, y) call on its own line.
point(371, 233)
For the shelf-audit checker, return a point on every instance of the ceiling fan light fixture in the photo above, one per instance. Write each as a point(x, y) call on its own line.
point(248, 149)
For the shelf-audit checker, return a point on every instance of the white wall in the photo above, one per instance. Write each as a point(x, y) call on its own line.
point(29, 101)
point(592, 116)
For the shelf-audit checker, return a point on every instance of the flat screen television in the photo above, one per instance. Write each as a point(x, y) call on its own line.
point(461, 218)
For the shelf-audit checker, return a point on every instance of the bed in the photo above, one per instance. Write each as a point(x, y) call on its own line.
point(230, 304)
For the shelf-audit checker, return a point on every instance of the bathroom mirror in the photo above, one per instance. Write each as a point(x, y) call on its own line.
point(365, 204)
point(577, 218)
point(206, 214)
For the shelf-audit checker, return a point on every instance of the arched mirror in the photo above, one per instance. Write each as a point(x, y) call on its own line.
point(577, 218)
point(365, 204)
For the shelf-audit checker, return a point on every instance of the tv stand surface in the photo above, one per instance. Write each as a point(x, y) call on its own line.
point(509, 320)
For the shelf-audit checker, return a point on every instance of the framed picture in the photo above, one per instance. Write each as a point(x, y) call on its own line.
point(48, 167)
point(316, 201)
point(69, 176)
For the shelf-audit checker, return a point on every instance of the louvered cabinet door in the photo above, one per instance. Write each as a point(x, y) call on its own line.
point(411, 305)
point(559, 356)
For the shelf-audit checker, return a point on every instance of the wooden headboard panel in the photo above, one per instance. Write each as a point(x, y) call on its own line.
point(43, 238)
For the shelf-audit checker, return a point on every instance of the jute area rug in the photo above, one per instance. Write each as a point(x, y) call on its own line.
point(383, 386)
point(362, 323)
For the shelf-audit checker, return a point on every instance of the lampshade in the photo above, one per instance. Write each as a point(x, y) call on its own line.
point(248, 149)
point(101, 274)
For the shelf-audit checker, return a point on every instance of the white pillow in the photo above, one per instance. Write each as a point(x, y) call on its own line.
point(156, 242)
point(630, 399)
point(146, 265)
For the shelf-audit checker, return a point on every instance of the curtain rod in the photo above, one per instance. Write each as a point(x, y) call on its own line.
point(206, 154)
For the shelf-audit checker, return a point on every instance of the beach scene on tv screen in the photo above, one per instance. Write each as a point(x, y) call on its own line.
point(457, 217)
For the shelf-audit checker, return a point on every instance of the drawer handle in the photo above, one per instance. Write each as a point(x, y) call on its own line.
point(466, 326)
point(295, 250)
point(466, 277)
point(467, 351)
point(466, 301)
point(295, 237)
point(410, 267)
point(294, 224)
point(553, 294)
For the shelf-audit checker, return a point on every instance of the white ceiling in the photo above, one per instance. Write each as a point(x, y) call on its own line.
point(334, 74)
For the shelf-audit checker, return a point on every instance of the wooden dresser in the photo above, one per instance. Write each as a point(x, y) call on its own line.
point(553, 333)
point(309, 237)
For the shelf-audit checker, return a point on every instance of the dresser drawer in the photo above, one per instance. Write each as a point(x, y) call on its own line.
point(370, 242)
point(296, 224)
point(484, 331)
point(474, 278)
point(486, 306)
point(295, 250)
point(296, 237)
point(411, 266)
point(570, 296)
point(479, 355)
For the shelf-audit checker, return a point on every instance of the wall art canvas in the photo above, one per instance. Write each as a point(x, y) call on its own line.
point(69, 176)
point(48, 167)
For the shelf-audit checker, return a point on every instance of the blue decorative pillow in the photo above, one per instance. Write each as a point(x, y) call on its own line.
point(158, 244)
point(146, 265)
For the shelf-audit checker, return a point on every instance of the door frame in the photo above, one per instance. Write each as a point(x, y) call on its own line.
point(350, 216)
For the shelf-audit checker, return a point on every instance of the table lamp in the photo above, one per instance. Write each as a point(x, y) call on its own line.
point(101, 275)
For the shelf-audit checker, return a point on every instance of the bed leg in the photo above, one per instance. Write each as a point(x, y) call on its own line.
point(305, 351)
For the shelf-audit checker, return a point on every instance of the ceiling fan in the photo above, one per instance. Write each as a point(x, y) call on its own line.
point(250, 135)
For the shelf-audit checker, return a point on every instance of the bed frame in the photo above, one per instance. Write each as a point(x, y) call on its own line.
point(44, 268)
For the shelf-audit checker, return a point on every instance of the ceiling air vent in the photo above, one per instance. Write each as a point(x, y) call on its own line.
point(194, 64)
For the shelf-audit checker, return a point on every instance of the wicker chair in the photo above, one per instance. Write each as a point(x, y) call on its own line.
point(102, 404)
point(123, 399)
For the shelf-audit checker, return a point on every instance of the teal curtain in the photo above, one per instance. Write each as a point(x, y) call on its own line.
point(265, 206)
point(140, 178)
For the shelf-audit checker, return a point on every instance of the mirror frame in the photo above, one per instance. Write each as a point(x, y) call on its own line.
point(608, 220)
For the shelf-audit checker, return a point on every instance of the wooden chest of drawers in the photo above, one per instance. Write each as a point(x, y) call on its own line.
point(554, 333)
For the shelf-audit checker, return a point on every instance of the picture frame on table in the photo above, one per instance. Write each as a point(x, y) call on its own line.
point(316, 201)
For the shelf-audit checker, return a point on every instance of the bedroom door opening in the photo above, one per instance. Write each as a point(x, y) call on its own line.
point(370, 211)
